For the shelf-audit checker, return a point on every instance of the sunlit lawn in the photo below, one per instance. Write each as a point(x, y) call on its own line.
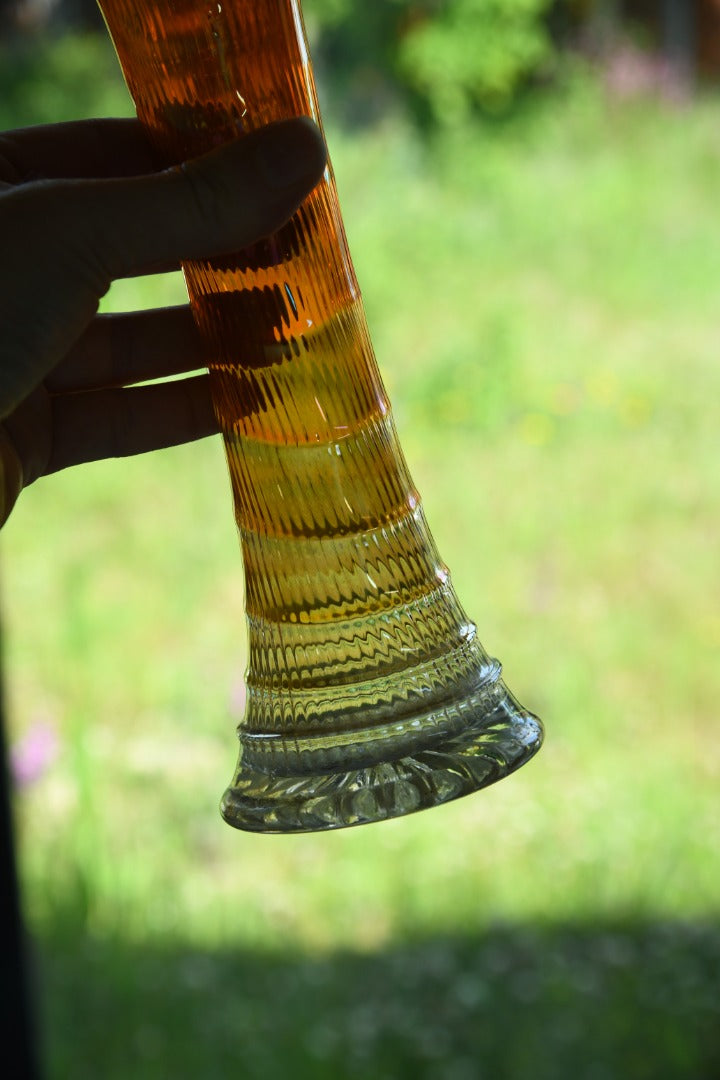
point(544, 303)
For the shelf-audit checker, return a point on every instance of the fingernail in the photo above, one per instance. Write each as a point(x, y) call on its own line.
point(291, 152)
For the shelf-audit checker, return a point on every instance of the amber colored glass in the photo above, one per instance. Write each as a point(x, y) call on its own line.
point(368, 692)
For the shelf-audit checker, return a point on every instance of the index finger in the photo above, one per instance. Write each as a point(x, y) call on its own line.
point(76, 150)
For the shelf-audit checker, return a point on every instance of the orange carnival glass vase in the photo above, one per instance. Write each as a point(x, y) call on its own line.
point(368, 693)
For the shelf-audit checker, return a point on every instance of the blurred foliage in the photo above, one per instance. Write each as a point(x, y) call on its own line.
point(475, 53)
point(446, 57)
point(75, 76)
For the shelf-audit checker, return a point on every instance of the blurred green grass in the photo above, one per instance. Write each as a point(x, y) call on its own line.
point(542, 298)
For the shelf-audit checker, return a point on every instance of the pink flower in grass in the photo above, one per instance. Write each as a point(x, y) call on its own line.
point(33, 754)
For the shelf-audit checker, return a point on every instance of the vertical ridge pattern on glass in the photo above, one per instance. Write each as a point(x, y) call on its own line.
point(369, 694)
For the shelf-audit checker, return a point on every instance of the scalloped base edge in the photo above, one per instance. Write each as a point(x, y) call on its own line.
point(473, 759)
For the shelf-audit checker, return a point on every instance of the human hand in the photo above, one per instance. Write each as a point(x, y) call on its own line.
point(81, 205)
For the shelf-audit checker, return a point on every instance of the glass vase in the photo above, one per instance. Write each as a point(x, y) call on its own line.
point(369, 694)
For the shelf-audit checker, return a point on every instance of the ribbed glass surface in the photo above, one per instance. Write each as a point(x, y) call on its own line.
point(368, 692)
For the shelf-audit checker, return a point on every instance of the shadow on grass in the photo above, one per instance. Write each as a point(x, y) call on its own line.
point(624, 1001)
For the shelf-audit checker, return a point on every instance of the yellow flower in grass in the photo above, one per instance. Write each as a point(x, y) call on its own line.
point(537, 429)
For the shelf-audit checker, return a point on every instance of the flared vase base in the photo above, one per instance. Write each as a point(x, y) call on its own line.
point(454, 766)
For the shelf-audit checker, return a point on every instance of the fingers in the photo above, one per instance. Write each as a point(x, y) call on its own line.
point(117, 350)
point(64, 241)
point(215, 204)
point(80, 148)
point(120, 423)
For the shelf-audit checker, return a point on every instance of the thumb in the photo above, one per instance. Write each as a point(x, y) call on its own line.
point(217, 203)
point(64, 241)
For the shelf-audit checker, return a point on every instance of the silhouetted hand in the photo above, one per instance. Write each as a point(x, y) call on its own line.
point(82, 205)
